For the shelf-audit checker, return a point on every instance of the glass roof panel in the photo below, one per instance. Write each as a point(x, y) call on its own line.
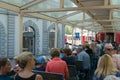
point(115, 2)
point(88, 24)
point(57, 14)
point(47, 4)
point(87, 16)
point(116, 14)
point(18, 3)
point(80, 23)
point(69, 3)
point(76, 17)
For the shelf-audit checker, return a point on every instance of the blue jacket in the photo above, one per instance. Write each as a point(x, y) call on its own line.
point(5, 77)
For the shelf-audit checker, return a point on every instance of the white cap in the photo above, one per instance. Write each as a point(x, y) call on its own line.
point(74, 51)
point(108, 44)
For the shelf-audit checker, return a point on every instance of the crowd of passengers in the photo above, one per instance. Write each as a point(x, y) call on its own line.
point(100, 61)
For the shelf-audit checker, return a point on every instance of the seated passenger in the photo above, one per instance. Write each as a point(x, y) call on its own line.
point(5, 68)
point(105, 68)
point(41, 63)
point(57, 65)
point(83, 56)
point(68, 57)
point(26, 62)
point(110, 51)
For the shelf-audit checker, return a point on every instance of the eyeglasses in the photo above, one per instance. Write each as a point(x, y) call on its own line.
point(109, 49)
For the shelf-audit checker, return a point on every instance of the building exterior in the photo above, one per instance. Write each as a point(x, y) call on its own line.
point(38, 34)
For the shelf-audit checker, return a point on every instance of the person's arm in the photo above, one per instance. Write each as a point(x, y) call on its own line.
point(66, 72)
point(38, 77)
point(67, 76)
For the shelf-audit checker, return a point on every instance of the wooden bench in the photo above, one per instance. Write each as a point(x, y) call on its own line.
point(72, 72)
point(49, 75)
point(79, 65)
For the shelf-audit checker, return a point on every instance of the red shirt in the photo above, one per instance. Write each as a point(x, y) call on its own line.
point(57, 65)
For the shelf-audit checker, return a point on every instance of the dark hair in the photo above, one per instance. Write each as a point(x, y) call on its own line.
point(62, 50)
point(3, 61)
point(68, 51)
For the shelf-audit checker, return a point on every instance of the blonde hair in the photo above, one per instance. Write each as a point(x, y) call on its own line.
point(105, 66)
point(22, 59)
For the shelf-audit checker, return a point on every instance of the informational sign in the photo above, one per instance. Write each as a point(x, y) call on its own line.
point(77, 35)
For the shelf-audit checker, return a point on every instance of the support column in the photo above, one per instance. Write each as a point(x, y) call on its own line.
point(93, 35)
point(88, 35)
point(105, 36)
point(72, 35)
point(114, 36)
point(20, 32)
point(75, 38)
point(56, 35)
point(81, 35)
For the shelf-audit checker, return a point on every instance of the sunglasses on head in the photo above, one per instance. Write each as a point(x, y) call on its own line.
point(109, 49)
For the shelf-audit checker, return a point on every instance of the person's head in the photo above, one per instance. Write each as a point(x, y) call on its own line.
point(83, 46)
point(5, 65)
point(62, 50)
point(41, 60)
point(98, 42)
point(87, 46)
point(79, 50)
point(26, 59)
point(54, 52)
point(105, 66)
point(108, 48)
point(67, 52)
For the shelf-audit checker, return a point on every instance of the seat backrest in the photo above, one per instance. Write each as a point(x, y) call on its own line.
point(49, 75)
point(79, 65)
point(72, 70)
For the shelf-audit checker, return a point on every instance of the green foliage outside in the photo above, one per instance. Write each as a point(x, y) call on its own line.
point(68, 29)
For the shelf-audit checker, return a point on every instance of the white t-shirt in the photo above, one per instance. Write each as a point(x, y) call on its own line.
point(111, 77)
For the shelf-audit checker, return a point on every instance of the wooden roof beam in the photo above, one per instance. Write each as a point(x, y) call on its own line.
point(92, 20)
point(87, 0)
point(31, 4)
point(106, 2)
point(42, 16)
point(74, 9)
point(61, 3)
point(9, 7)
